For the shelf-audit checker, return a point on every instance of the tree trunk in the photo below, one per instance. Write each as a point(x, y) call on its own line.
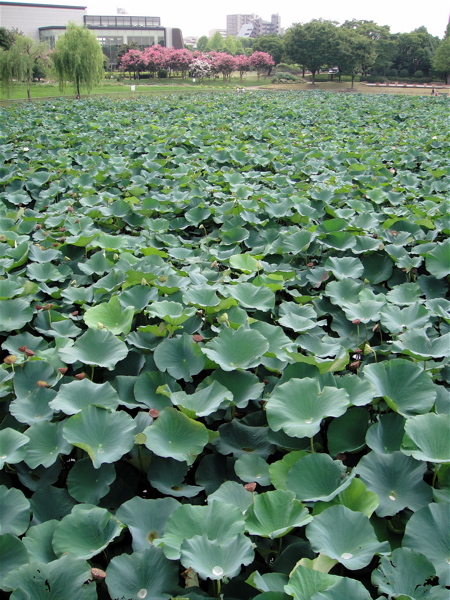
point(353, 79)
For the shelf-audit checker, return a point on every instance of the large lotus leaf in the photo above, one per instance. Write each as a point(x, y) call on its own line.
point(305, 582)
point(236, 349)
point(213, 559)
point(360, 392)
point(343, 291)
point(356, 497)
point(148, 385)
point(405, 386)
point(38, 542)
point(238, 439)
point(404, 294)
point(46, 444)
point(438, 260)
point(298, 318)
point(344, 268)
point(427, 532)
point(252, 468)
point(346, 536)
point(96, 347)
point(243, 385)
point(251, 296)
point(14, 314)
point(13, 553)
point(244, 262)
point(231, 492)
point(173, 313)
point(201, 295)
point(386, 435)
point(28, 376)
point(88, 484)
point(427, 438)
point(76, 395)
point(344, 589)
point(279, 470)
point(167, 476)
point(35, 479)
point(12, 444)
point(299, 405)
point(269, 582)
point(50, 502)
point(203, 401)
point(174, 435)
point(402, 573)
point(364, 311)
point(396, 479)
point(274, 514)
point(218, 521)
point(180, 357)
point(34, 407)
point(317, 477)
point(347, 433)
point(396, 319)
point(279, 342)
point(105, 436)
point(85, 532)
point(416, 343)
point(140, 575)
point(146, 519)
point(110, 316)
point(14, 511)
point(62, 578)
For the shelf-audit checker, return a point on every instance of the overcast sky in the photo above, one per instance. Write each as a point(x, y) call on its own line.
point(198, 17)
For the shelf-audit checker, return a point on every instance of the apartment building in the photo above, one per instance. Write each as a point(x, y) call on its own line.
point(251, 25)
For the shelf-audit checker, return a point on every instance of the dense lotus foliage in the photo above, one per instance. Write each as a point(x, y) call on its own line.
point(225, 348)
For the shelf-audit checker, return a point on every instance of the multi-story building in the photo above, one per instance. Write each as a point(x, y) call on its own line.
point(252, 25)
point(48, 22)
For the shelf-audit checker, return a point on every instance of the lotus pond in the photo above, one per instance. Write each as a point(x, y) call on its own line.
point(225, 348)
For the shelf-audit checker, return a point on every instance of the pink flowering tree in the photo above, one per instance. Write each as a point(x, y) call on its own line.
point(224, 63)
point(261, 62)
point(134, 62)
point(242, 64)
point(155, 58)
point(179, 60)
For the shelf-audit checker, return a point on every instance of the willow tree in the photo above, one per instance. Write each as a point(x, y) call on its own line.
point(18, 62)
point(78, 58)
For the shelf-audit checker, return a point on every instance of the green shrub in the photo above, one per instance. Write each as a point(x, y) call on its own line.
point(283, 76)
point(418, 73)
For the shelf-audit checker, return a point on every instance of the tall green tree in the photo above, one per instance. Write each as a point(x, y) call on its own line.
point(230, 45)
point(239, 47)
point(202, 42)
point(78, 57)
point(215, 43)
point(385, 44)
point(354, 52)
point(272, 44)
point(312, 44)
point(441, 59)
point(415, 50)
point(6, 38)
point(19, 62)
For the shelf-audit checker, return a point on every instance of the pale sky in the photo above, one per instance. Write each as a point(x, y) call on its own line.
point(198, 17)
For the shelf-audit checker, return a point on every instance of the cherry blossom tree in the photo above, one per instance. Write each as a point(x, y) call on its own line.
point(224, 63)
point(242, 64)
point(261, 62)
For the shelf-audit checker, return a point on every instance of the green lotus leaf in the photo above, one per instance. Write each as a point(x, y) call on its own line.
point(317, 477)
point(347, 433)
point(46, 444)
point(105, 436)
point(238, 439)
point(343, 590)
point(279, 342)
point(231, 492)
point(269, 582)
point(305, 582)
point(427, 438)
point(14, 511)
point(62, 578)
point(13, 553)
point(50, 502)
point(416, 343)
point(404, 572)
point(139, 575)
point(245, 262)
point(396, 479)
point(235, 235)
point(299, 405)
point(377, 267)
point(14, 314)
point(356, 497)
point(213, 559)
point(38, 542)
point(33, 408)
point(236, 349)
point(88, 484)
point(180, 357)
point(297, 242)
point(251, 296)
point(95, 347)
point(201, 295)
point(274, 514)
point(85, 532)
point(346, 536)
point(396, 319)
point(174, 435)
point(35, 479)
point(343, 268)
point(74, 396)
point(405, 386)
point(365, 310)
point(298, 318)
point(251, 467)
point(427, 532)
point(279, 470)
point(167, 476)
point(438, 260)
point(173, 313)
point(12, 444)
point(243, 385)
point(110, 316)
point(360, 392)
point(386, 435)
point(148, 386)
point(9, 289)
point(203, 401)
point(217, 521)
point(146, 519)
point(343, 291)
